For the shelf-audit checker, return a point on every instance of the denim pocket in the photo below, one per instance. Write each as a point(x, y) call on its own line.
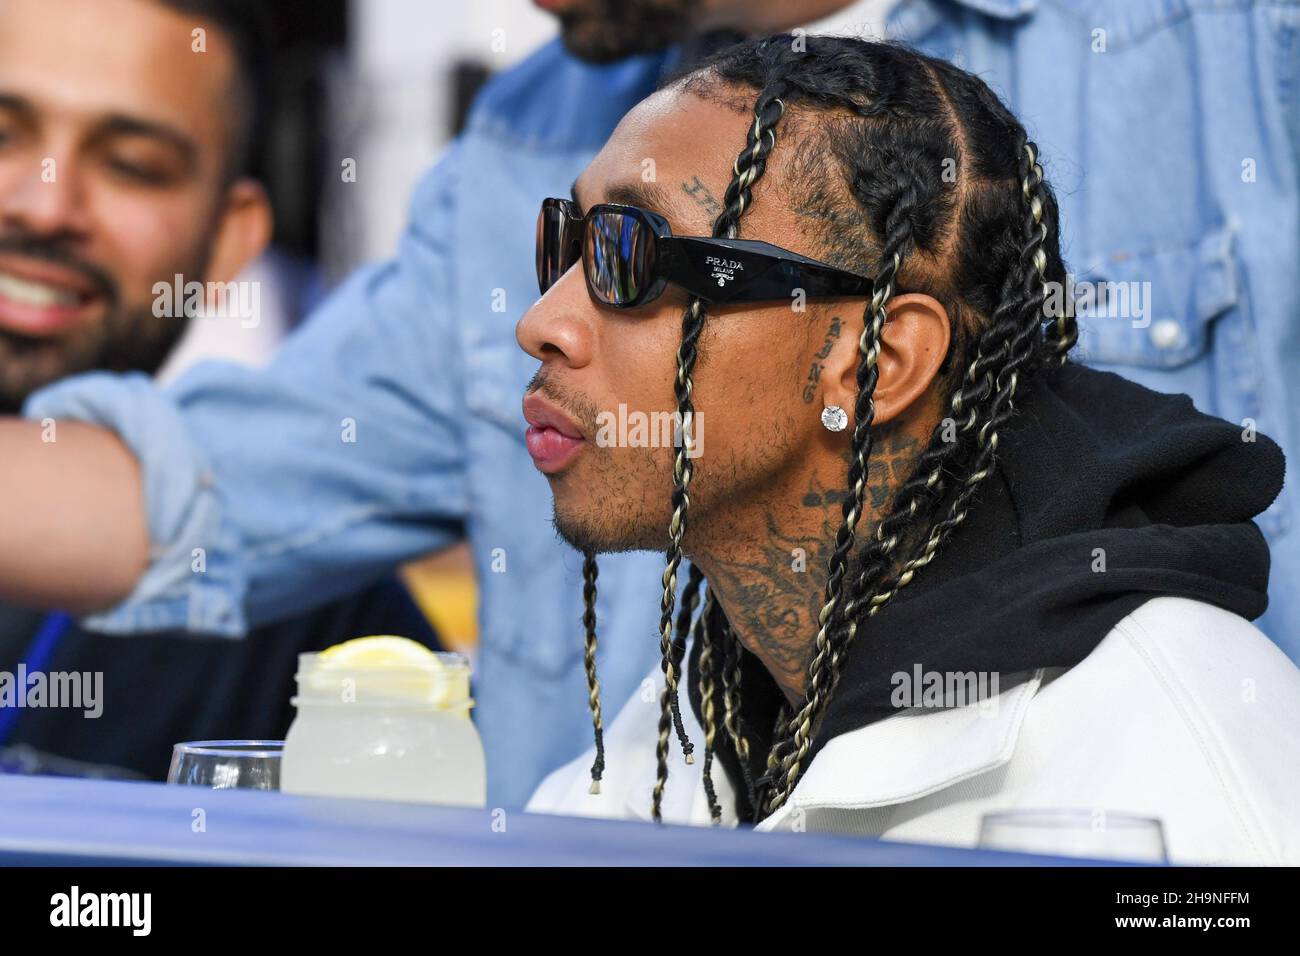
point(1153, 308)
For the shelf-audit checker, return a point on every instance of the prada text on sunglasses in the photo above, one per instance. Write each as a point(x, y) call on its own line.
point(630, 254)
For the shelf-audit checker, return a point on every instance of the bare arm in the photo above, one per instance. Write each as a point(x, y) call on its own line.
point(73, 530)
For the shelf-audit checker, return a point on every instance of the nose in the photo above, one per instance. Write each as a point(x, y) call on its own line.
point(560, 326)
point(45, 199)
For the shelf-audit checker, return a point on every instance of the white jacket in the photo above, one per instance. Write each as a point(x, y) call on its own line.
point(1184, 712)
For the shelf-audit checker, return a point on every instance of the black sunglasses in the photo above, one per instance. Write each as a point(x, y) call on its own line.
point(630, 255)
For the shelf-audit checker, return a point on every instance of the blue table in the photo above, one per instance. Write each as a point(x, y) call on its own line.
point(47, 820)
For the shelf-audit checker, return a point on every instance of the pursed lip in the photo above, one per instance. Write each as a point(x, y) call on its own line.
point(552, 437)
point(540, 413)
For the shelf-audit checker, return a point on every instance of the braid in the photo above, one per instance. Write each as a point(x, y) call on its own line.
point(1005, 348)
point(825, 663)
point(1064, 332)
point(1000, 367)
point(733, 720)
point(1010, 340)
point(690, 599)
point(702, 634)
point(589, 573)
point(747, 168)
point(669, 709)
point(752, 161)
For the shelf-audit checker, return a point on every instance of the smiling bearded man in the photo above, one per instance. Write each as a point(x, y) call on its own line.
point(905, 476)
point(113, 181)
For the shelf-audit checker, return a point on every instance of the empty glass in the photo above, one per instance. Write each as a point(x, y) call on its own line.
point(1096, 834)
point(227, 764)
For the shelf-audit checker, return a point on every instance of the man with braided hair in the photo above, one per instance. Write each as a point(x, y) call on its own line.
point(416, 352)
point(906, 484)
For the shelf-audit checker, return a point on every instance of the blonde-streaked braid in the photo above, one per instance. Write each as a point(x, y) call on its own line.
point(669, 707)
point(1064, 331)
point(689, 602)
point(733, 720)
point(747, 168)
point(1018, 351)
point(701, 633)
point(1007, 345)
point(589, 575)
point(785, 757)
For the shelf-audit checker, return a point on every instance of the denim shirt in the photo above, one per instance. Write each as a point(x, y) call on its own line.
point(390, 424)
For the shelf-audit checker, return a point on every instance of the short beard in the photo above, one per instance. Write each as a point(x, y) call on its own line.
point(134, 341)
point(588, 539)
point(125, 338)
point(614, 514)
point(603, 31)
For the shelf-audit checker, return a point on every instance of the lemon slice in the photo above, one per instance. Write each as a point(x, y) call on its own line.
point(392, 668)
point(381, 651)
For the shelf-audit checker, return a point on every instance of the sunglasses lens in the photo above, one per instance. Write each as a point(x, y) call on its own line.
point(557, 245)
point(620, 257)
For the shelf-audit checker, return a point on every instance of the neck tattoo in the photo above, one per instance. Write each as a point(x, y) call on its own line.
point(772, 584)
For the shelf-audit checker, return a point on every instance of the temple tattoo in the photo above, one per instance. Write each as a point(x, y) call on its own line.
point(700, 193)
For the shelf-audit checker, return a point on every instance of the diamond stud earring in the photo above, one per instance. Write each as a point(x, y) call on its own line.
point(835, 418)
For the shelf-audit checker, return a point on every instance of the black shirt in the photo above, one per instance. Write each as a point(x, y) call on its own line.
point(163, 688)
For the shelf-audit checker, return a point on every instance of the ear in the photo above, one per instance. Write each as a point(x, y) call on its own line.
point(243, 230)
point(913, 344)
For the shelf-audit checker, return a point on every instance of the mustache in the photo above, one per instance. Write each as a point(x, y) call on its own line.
point(584, 412)
point(56, 252)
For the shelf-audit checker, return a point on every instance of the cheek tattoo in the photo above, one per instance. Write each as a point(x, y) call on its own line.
point(815, 372)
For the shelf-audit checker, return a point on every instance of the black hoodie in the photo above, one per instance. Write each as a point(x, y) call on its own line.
point(1091, 461)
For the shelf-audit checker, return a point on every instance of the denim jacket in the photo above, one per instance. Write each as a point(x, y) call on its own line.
point(390, 424)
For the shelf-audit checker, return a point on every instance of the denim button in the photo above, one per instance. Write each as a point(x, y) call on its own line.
point(1166, 334)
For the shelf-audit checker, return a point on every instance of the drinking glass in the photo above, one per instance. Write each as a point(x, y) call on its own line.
point(227, 764)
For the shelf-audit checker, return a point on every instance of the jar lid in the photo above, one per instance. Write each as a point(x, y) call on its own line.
point(385, 671)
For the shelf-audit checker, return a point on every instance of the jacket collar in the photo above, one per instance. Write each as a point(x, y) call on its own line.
point(1002, 9)
point(916, 753)
point(914, 20)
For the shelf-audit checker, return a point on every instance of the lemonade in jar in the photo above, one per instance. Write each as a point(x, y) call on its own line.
point(384, 718)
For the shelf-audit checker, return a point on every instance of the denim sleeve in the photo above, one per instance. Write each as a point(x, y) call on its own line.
point(269, 492)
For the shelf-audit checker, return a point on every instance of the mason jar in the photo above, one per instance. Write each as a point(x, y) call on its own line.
point(391, 732)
